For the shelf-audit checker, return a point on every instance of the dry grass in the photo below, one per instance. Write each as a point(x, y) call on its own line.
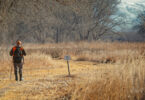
point(100, 71)
point(126, 83)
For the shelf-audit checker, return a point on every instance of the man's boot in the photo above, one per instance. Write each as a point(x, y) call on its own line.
point(21, 77)
point(16, 77)
point(15, 72)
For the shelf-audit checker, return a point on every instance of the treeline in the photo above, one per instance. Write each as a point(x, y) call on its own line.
point(140, 26)
point(56, 20)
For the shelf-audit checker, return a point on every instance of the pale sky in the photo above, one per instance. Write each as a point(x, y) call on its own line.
point(133, 1)
point(130, 9)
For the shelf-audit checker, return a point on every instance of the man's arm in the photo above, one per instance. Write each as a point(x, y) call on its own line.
point(23, 52)
point(11, 52)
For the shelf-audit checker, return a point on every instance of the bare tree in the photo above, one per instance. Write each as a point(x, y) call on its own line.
point(97, 17)
point(56, 20)
point(141, 23)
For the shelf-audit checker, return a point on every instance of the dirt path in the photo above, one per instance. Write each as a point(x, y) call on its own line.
point(49, 82)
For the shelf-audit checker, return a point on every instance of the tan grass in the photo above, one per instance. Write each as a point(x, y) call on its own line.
point(125, 83)
point(100, 71)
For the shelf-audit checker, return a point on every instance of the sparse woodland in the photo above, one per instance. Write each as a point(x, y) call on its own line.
point(141, 23)
point(56, 21)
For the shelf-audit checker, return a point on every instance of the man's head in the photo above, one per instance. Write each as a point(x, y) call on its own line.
point(18, 42)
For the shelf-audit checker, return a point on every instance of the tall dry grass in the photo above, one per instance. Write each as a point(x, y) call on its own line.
point(95, 51)
point(126, 81)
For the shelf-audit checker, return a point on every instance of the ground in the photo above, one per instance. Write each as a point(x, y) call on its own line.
point(43, 81)
point(112, 71)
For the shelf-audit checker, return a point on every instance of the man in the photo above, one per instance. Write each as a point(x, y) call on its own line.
point(18, 60)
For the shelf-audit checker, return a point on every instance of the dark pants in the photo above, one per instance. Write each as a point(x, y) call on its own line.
point(18, 66)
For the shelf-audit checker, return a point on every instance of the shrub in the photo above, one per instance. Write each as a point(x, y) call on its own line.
point(56, 53)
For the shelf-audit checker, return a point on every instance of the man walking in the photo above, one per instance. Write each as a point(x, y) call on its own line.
point(18, 54)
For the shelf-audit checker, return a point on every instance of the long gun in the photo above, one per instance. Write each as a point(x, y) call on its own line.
point(23, 60)
point(11, 71)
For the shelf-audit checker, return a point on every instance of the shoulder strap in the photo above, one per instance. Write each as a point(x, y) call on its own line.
point(21, 48)
point(14, 48)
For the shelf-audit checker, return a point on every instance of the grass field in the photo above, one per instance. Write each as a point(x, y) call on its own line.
point(99, 71)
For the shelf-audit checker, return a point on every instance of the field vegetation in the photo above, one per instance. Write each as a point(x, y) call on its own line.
point(99, 71)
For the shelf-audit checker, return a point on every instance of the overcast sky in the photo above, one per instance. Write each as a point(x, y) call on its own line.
point(133, 1)
point(129, 9)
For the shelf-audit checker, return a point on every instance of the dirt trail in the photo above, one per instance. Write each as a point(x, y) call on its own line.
point(46, 81)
